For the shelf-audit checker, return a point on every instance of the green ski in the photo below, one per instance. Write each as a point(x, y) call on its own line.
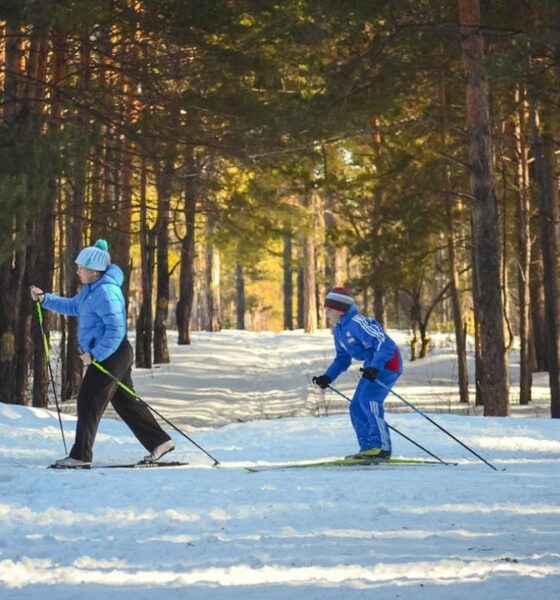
point(351, 462)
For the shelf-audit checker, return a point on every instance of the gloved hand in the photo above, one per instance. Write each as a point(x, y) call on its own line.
point(322, 381)
point(369, 373)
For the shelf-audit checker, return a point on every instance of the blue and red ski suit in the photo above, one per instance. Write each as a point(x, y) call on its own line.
point(361, 338)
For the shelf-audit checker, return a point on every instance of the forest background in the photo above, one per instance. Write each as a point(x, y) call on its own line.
point(241, 158)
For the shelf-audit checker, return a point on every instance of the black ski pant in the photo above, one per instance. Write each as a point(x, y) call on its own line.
point(97, 390)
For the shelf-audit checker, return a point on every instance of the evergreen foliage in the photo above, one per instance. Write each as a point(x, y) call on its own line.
point(340, 124)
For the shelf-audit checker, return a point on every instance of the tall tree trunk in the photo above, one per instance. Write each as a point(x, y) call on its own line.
point(288, 285)
point(309, 276)
point(42, 248)
point(452, 262)
point(453, 274)
point(488, 295)
point(186, 276)
point(240, 296)
point(523, 210)
point(12, 265)
point(73, 212)
point(145, 322)
point(379, 305)
point(547, 200)
point(536, 286)
point(212, 277)
point(163, 184)
point(300, 294)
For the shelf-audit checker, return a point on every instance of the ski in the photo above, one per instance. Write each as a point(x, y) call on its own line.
point(138, 465)
point(352, 462)
point(143, 465)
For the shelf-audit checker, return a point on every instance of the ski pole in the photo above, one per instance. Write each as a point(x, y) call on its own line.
point(396, 430)
point(137, 397)
point(436, 424)
point(51, 376)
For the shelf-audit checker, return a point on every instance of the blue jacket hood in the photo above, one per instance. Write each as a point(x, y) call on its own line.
point(112, 275)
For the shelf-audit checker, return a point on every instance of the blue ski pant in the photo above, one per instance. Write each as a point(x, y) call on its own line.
point(367, 413)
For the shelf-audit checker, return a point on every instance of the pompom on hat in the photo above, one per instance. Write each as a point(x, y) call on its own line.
point(95, 257)
point(340, 299)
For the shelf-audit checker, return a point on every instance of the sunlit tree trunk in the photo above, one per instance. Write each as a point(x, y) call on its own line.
point(547, 200)
point(42, 246)
point(186, 275)
point(523, 210)
point(536, 286)
point(309, 273)
point(452, 262)
point(12, 265)
point(288, 285)
point(487, 292)
point(212, 277)
point(145, 321)
point(163, 184)
point(300, 293)
point(73, 214)
point(240, 296)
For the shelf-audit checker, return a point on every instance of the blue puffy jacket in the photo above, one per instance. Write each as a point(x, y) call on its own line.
point(359, 337)
point(101, 313)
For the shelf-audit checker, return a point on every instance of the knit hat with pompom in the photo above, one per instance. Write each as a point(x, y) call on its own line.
point(95, 257)
point(339, 298)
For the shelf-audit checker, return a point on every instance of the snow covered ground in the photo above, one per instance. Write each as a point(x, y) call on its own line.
point(402, 532)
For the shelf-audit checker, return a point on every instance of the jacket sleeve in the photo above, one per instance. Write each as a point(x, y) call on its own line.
point(64, 306)
point(372, 335)
point(341, 362)
point(111, 311)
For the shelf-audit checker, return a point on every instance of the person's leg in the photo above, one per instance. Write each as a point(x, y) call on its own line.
point(358, 416)
point(93, 397)
point(139, 418)
point(133, 412)
point(375, 433)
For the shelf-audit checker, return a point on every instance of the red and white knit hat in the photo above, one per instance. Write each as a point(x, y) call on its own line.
point(339, 298)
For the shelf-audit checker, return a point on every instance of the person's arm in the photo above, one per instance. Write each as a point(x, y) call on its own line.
point(372, 335)
point(64, 306)
point(111, 311)
point(341, 362)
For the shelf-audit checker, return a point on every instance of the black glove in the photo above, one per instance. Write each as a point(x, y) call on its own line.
point(322, 381)
point(369, 373)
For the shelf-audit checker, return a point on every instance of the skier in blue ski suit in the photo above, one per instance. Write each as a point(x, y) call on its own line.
point(361, 338)
point(101, 312)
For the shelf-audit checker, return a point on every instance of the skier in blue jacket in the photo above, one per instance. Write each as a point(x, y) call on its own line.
point(361, 338)
point(100, 308)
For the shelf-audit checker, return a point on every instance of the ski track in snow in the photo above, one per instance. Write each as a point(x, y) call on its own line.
point(222, 533)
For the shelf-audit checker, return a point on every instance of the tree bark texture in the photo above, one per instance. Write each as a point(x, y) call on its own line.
point(288, 285)
point(309, 274)
point(547, 194)
point(487, 293)
point(161, 351)
point(145, 322)
point(212, 278)
point(186, 276)
point(523, 213)
point(240, 296)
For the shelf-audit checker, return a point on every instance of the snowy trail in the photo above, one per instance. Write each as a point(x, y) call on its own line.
point(224, 534)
